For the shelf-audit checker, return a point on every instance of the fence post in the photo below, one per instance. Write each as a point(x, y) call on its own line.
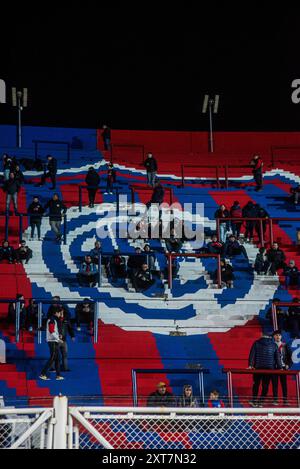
point(18, 311)
point(218, 228)
point(230, 388)
point(65, 229)
point(20, 226)
point(96, 316)
point(271, 231)
point(100, 270)
point(226, 177)
point(80, 198)
point(217, 177)
point(274, 317)
point(6, 224)
point(182, 175)
point(61, 419)
point(170, 276)
point(40, 322)
point(261, 230)
point(219, 271)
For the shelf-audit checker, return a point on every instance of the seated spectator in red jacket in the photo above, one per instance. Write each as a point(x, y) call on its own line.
point(215, 246)
point(276, 259)
point(7, 252)
point(214, 400)
point(292, 275)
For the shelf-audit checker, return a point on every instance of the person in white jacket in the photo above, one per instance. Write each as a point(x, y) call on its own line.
point(54, 338)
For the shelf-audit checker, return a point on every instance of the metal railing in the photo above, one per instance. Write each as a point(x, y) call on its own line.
point(100, 189)
point(126, 146)
point(54, 142)
point(135, 187)
point(240, 371)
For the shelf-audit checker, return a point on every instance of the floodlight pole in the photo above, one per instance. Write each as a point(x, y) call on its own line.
point(211, 135)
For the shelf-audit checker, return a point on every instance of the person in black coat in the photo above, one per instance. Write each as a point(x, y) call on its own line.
point(236, 212)
point(157, 195)
point(56, 208)
point(19, 176)
point(161, 397)
point(92, 181)
point(35, 211)
point(51, 171)
point(227, 275)
point(264, 355)
point(135, 262)
point(84, 313)
point(261, 213)
point(12, 187)
point(249, 211)
point(32, 311)
point(292, 275)
point(257, 169)
point(106, 137)
point(222, 212)
point(7, 252)
point(150, 164)
point(286, 363)
point(23, 253)
point(276, 259)
point(142, 279)
point(234, 248)
point(12, 310)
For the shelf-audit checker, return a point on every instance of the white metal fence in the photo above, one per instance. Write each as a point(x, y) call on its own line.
point(147, 428)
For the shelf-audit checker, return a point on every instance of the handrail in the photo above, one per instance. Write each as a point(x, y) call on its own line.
point(231, 371)
point(134, 187)
point(82, 186)
point(276, 303)
point(127, 145)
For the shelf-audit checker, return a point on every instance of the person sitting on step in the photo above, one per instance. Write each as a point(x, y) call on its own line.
point(142, 279)
point(88, 273)
point(23, 253)
point(234, 248)
point(227, 275)
point(261, 262)
point(117, 266)
point(215, 246)
point(7, 252)
point(292, 275)
point(276, 259)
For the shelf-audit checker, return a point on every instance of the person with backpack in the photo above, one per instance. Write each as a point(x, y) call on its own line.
point(236, 212)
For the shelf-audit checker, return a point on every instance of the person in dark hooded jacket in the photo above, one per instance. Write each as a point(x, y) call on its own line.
point(236, 212)
point(92, 181)
point(249, 211)
point(261, 213)
point(264, 355)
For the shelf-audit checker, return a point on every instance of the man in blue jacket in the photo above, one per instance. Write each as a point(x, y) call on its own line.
point(264, 355)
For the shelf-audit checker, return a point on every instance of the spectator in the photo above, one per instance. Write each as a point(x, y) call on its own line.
point(111, 179)
point(54, 339)
point(249, 211)
point(295, 194)
point(286, 363)
point(88, 274)
point(187, 399)
point(35, 211)
point(161, 397)
point(135, 262)
point(150, 164)
point(264, 355)
point(236, 212)
point(106, 137)
point(7, 252)
point(222, 213)
point(66, 329)
point(56, 304)
point(96, 252)
point(32, 313)
point(214, 400)
point(261, 262)
point(281, 314)
point(11, 187)
point(261, 213)
point(215, 246)
point(12, 308)
point(157, 197)
point(92, 181)
point(23, 253)
point(292, 275)
point(142, 279)
point(293, 319)
point(84, 313)
point(173, 244)
point(257, 165)
point(7, 166)
point(117, 266)
point(276, 258)
point(51, 172)
point(56, 208)
point(233, 248)
point(227, 275)
point(19, 176)
point(150, 257)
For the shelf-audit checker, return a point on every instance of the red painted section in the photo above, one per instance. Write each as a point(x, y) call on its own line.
point(118, 352)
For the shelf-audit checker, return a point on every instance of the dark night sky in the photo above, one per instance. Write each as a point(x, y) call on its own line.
point(85, 66)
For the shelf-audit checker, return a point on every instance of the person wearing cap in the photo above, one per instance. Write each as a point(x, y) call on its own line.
point(150, 164)
point(187, 399)
point(23, 253)
point(264, 355)
point(51, 172)
point(92, 181)
point(161, 397)
point(84, 313)
point(286, 363)
point(35, 212)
